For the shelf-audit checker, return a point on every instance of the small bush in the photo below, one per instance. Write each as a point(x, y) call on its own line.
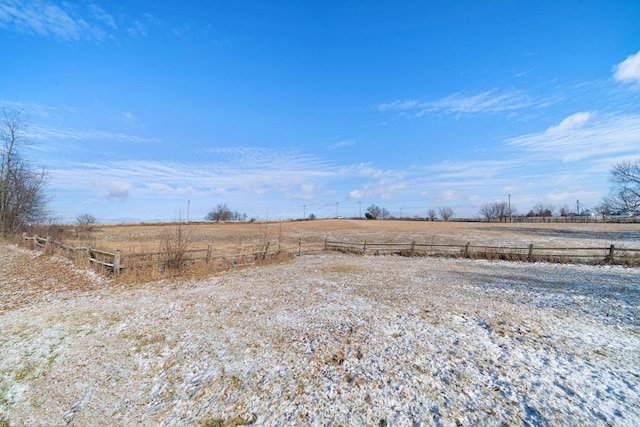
point(175, 244)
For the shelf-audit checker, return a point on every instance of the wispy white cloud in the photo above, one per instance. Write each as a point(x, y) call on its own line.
point(116, 190)
point(76, 21)
point(137, 29)
point(379, 183)
point(168, 191)
point(252, 171)
point(47, 133)
point(101, 15)
point(307, 191)
point(60, 20)
point(343, 143)
point(487, 102)
point(492, 101)
point(472, 170)
point(447, 196)
point(580, 136)
point(628, 71)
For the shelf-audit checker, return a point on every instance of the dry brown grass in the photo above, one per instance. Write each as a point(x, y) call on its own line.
point(309, 236)
point(142, 238)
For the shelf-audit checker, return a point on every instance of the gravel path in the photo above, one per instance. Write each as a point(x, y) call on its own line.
point(326, 340)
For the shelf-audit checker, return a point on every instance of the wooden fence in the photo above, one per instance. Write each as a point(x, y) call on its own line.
point(115, 262)
point(592, 255)
point(109, 260)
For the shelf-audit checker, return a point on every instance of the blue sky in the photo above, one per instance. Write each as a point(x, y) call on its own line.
point(139, 109)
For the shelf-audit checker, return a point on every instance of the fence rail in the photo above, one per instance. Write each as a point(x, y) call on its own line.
point(111, 260)
point(115, 262)
point(609, 254)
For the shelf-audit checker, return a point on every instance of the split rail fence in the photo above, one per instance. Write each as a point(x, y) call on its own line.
point(113, 261)
point(591, 255)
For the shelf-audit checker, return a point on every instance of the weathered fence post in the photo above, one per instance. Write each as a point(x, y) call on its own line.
point(364, 247)
point(413, 246)
point(209, 249)
point(325, 243)
point(530, 256)
point(116, 263)
point(610, 257)
point(299, 246)
point(466, 250)
point(89, 253)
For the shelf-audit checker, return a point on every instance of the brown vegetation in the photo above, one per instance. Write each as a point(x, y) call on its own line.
point(152, 251)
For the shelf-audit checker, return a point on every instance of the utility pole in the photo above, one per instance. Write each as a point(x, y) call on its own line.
point(360, 204)
point(188, 205)
point(400, 213)
point(509, 207)
point(337, 209)
point(304, 211)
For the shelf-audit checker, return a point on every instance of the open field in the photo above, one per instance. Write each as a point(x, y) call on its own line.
point(140, 238)
point(326, 338)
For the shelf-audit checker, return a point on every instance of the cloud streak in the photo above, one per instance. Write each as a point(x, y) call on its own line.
point(488, 102)
point(46, 18)
point(581, 136)
point(47, 133)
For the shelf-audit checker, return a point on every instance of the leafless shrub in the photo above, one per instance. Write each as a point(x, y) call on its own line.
point(175, 243)
point(86, 222)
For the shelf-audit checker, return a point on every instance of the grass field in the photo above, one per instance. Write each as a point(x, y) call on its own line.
point(327, 338)
point(140, 238)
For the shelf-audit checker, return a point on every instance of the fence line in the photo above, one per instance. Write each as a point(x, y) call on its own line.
point(110, 260)
point(113, 261)
point(609, 254)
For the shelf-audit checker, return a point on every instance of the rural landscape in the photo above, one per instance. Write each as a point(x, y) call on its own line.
point(320, 337)
point(319, 213)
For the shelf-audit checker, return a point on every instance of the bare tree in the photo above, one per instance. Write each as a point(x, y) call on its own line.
point(488, 211)
point(498, 210)
point(385, 213)
point(373, 212)
point(604, 209)
point(22, 197)
point(86, 222)
point(541, 209)
point(625, 193)
point(446, 212)
point(220, 213)
point(86, 219)
point(432, 214)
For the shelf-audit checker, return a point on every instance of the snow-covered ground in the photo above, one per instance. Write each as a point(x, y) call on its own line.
point(331, 339)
